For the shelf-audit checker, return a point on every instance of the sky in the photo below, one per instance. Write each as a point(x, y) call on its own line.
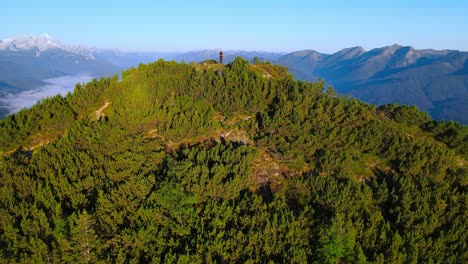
point(176, 26)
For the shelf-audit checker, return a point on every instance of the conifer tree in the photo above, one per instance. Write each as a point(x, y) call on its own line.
point(84, 241)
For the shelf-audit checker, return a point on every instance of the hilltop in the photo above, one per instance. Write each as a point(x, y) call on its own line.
point(199, 163)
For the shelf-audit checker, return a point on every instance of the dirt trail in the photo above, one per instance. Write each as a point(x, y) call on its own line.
point(99, 111)
point(40, 144)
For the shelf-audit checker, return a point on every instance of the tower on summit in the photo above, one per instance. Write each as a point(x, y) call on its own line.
point(221, 57)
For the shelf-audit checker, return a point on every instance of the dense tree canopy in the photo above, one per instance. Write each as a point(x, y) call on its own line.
point(209, 163)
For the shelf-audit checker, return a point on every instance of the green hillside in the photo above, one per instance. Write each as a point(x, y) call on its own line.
point(203, 163)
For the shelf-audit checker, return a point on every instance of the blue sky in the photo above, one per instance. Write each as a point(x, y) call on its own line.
point(174, 25)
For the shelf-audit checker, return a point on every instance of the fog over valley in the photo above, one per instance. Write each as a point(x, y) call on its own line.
point(14, 102)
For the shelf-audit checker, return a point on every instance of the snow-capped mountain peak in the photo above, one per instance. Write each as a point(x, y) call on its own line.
point(25, 42)
point(42, 43)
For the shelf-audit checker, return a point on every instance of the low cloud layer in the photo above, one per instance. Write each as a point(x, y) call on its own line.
point(61, 85)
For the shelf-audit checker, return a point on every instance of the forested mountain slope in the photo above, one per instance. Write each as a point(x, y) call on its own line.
point(239, 163)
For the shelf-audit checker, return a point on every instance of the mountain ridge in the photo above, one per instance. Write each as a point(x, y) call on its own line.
point(42, 43)
point(393, 73)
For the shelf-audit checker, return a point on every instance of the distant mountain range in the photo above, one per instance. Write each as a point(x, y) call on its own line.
point(26, 61)
point(435, 81)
